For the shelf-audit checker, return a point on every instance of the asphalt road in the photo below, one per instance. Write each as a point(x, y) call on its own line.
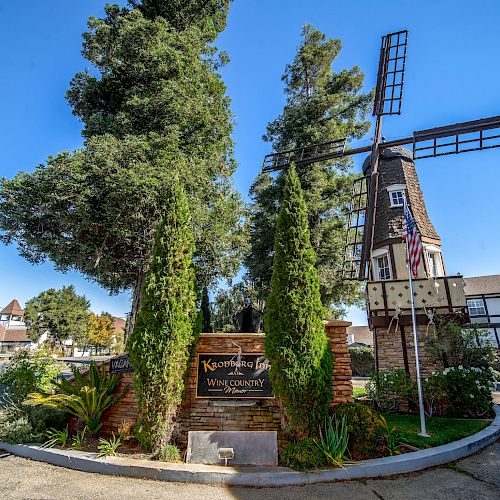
point(475, 477)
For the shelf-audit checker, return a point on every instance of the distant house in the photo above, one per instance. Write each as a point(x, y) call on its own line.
point(360, 335)
point(12, 328)
point(483, 301)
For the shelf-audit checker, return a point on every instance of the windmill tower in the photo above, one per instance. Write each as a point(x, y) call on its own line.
point(388, 293)
point(374, 250)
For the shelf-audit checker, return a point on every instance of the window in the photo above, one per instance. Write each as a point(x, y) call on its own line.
point(476, 307)
point(434, 263)
point(384, 271)
point(396, 194)
point(431, 259)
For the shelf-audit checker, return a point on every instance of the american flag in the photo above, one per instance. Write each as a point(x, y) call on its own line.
point(412, 238)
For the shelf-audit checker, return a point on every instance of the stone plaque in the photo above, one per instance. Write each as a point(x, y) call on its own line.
point(241, 376)
point(120, 364)
point(249, 447)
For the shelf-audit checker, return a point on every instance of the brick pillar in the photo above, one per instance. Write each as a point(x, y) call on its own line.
point(336, 332)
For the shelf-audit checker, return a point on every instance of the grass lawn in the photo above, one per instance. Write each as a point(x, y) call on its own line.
point(442, 430)
point(358, 392)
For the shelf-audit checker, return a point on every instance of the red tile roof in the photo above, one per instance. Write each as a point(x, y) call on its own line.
point(119, 324)
point(12, 308)
point(13, 334)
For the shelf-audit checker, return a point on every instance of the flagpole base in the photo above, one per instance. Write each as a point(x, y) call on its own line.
point(424, 434)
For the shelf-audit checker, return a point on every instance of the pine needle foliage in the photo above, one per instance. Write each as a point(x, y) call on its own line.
point(160, 345)
point(296, 342)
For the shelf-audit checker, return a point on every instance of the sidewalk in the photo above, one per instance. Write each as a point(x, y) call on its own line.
point(475, 477)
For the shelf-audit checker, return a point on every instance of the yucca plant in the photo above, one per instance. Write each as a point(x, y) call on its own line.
point(108, 447)
point(86, 398)
point(333, 440)
point(389, 434)
point(56, 437)
point(78, 440)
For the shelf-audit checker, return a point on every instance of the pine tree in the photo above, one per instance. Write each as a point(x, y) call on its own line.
point(321, 105)
point(160, 344)
point(296, 342)
point(205, 311)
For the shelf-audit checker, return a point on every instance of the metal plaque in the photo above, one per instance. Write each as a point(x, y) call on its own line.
point(240, 376)
point(120, 364)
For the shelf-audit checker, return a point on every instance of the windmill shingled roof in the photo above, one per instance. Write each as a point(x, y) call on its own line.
point(396, 166)
point(482, 285)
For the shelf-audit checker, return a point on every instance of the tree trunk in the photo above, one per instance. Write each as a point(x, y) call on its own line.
point(136, 303)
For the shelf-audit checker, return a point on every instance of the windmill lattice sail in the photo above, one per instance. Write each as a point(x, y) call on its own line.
point(353, 265)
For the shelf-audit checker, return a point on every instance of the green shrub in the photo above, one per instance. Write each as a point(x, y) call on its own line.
point(389, 388)
point(456, 345)
point(362, 360)
point(84, 397)
point(296, 342)
point(29, 372)
point(168, 453)
point(16, 428)
point(160, 345)
point(467, 390)
point(363, 429)
point(303, 455)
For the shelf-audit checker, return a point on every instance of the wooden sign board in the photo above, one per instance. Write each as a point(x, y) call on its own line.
point(236, 376)
point(120, 364)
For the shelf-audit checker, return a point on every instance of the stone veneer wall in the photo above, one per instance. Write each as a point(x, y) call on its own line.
point(234, 414)
point(392, 353)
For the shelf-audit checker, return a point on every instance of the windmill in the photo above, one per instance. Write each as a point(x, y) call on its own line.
point(445, 140)
point(377, 202)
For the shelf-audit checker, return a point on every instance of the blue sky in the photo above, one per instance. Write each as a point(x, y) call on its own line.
point(452, 75)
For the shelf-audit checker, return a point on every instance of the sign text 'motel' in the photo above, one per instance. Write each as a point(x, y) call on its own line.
point(242, 376)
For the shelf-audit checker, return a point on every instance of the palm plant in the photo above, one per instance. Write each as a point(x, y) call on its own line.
point(84, 397)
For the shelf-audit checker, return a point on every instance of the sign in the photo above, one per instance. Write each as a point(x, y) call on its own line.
point(120, 365)
point(240, 376)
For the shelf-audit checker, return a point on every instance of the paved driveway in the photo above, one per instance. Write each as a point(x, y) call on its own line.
point(475, 477)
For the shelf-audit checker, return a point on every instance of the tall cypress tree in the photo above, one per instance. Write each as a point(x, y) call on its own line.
point(205, 311)
point(321, 105)
point(296, 342)
point(163, 335)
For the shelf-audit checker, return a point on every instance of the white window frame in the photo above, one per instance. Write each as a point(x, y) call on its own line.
point(394, 189)
point(436, 252)
point(476, 305)
point(377, 254)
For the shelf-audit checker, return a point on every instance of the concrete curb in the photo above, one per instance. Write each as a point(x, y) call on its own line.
point(261, 476)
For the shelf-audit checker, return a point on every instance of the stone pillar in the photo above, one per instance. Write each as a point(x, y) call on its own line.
point(395, 349)
point(336, 332)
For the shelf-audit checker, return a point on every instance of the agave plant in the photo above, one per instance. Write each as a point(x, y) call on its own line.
point(84, 397)
point(333, 441)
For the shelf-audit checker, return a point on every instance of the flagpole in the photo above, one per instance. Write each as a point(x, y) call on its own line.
point(423, 430)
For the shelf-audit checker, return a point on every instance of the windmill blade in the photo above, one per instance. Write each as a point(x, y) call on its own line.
point(391, 72)
point(353, 264)
point(304, 156)
point(458, 138)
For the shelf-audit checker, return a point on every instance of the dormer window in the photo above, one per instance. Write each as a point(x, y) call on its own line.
point(434, 261)
point(396, 194)
point(381, 265)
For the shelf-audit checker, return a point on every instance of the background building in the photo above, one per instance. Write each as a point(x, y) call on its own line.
point(483, 302)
